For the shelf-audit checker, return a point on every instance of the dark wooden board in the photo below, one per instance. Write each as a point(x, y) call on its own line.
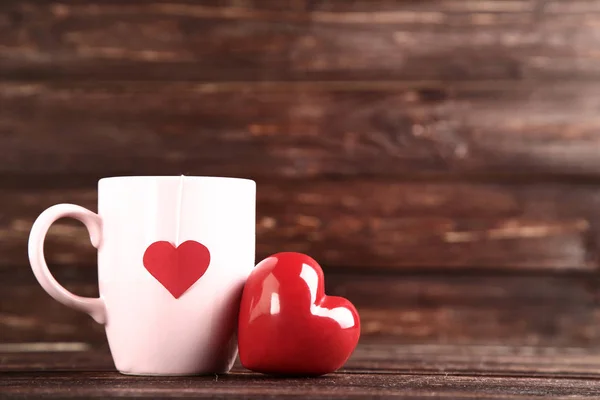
point(304, 130)
point(370, 225)
point(419, 372)
point(340, 386)
point(474, 360)
point(425, 308)
point(303, 40)
point(370, 356)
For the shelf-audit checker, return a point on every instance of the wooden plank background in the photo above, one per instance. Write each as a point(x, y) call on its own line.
point(440, 158)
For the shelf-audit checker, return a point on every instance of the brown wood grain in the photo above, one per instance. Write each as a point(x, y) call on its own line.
point(369, 357)
point(301, 40)
point(411, 371)
point(474, 360)
point(439, 158)
point(302, 130)
point(371, 225)
point(56, 376)
point(415, 308)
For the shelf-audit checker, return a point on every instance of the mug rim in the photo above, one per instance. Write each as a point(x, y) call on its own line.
point(170, 177)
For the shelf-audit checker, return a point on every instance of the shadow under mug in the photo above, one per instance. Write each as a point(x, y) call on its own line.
point(150, 331)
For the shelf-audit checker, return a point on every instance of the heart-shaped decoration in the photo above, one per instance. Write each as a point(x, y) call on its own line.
point(288, 326)
point(177, 268)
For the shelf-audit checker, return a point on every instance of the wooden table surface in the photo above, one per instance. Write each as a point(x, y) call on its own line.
point(75, 370)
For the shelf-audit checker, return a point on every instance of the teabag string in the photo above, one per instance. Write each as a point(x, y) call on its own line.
point(178, 211)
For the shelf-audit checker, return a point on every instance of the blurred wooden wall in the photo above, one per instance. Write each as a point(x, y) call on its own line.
point(441, 159)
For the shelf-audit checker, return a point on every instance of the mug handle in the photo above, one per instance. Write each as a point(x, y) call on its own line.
point(93, 306)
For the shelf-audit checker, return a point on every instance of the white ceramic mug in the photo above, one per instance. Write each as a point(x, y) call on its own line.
point(173, 255)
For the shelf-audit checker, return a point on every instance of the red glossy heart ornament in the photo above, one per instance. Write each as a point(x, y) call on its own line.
point(288, 326)
point(177, 268)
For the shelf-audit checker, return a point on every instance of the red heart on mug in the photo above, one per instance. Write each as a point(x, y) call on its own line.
point(288, 326)
point(177, 268)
